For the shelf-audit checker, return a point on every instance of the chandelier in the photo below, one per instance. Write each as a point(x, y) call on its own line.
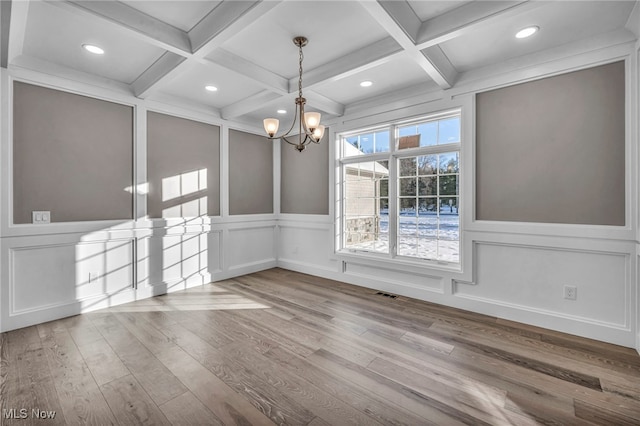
point(309, 128)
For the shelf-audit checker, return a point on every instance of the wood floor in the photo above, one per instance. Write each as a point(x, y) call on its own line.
point(287, 348)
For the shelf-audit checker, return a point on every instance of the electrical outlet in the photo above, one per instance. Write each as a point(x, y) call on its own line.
point(570, 292)
point(41, 217)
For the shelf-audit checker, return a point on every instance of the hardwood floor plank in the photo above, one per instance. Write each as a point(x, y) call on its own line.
point(541, 384)
point(313, 398)
point(602, 415)
point(400, 395)
point(265, 297)
point(81, 400)
point(102, 361)
point(26, 379)
point(241, 378)
point(221, 399)
point(584, 361)
point(483, 404)
point(154, 377)
point(516, 357)
point(130, 403)
point(300, 335)
point(81, 329)
point(364, 399)
point(187, 410)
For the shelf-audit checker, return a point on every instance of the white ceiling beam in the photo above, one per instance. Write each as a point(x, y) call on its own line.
point(251, 103)
point(362, 59)
point(17, 28)
point(224, 20)
point(468, 18)
point(633, 22)
point(219, 25)
point(405, 17)
point(147, 28)
point(5, 27)
point(323, 103)
point(163, 67)
point(256, 73)
point(392, 19)
point(444, 73)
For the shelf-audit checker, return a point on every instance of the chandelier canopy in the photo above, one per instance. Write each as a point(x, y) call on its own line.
point(309, 128)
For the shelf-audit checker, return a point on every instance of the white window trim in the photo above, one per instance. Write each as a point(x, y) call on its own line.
point(391, 258)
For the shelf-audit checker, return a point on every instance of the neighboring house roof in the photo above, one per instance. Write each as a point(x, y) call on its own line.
point(370, 166)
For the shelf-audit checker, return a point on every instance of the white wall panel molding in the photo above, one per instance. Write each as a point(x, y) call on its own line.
point(250, 247)
point(44, 279)
point(576, 325)
point(525, 282)
point(309, 221)
point(306, 243)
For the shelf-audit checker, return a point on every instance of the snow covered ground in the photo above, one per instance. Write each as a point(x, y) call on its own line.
point(417, 237)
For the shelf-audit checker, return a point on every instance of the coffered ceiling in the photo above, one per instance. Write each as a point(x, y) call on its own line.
point(170, 50)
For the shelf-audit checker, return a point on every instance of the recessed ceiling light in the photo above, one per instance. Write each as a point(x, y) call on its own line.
point(211, 88)
point(282, 111)
point(366, 83)
point(93, 49)
point(527, 32)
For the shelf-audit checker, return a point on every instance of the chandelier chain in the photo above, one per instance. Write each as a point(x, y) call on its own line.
point(300, 71)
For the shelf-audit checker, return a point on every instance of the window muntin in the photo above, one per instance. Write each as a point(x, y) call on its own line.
point(366, 143)
point(420, 218)
point(429, 133)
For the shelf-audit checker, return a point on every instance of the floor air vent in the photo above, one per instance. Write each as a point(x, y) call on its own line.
point(393, 296)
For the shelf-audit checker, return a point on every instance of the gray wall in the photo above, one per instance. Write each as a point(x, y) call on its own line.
point(250, 173)
point(72, 156)
point(553, 150)
point(177, 151)
point(304, 184)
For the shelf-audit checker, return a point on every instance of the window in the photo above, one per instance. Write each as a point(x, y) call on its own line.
point(400, 189)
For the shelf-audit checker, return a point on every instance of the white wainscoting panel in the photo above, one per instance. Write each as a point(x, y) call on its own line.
point(534, 278)
point(56, 276)
point(306, 246)
point(250, 248)
point(50, 276)
point(41, 277)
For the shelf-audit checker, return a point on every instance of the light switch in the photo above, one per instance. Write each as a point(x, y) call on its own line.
point(41, 216)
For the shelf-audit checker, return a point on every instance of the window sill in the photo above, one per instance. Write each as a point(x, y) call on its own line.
point(402, 264)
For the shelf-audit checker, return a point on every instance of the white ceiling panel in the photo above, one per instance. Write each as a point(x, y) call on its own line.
point(190, 84)
point(559, 22)
point(184, 14)
point(386, 78)
point(56, 35)
point(334, 29)
point(426, 10)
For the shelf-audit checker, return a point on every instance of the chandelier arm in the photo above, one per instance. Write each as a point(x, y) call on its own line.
point(292, 125)
point(288, 141)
